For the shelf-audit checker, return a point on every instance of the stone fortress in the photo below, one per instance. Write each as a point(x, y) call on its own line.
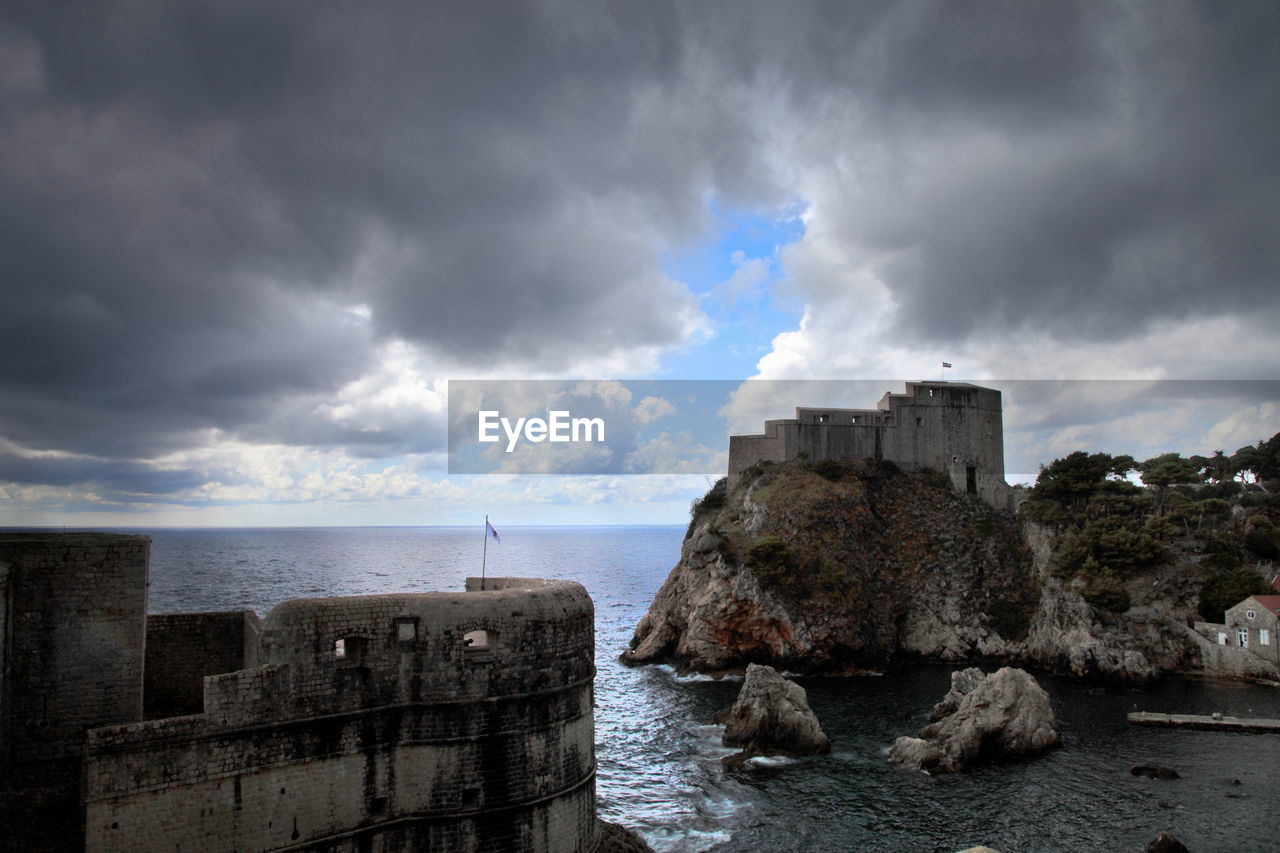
point(437, 721)
point(952, 427)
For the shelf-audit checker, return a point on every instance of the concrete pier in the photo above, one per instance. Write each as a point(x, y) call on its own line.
point(1197, 721)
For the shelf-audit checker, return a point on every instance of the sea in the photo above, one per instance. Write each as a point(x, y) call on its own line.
point(659, 757)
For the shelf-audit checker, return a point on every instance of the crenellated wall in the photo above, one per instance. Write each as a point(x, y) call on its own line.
point(953, 428)
point(372, 724)
point(183, 648)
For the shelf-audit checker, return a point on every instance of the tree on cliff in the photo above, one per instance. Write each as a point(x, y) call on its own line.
point(1262, 460)
point(1075, 478)
point(1165, 470)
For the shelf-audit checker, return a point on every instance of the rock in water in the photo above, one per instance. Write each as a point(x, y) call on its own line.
point(772, 715)
point(1006, 715)
point(1165, 843)
point(616, 838)
point(962, 683)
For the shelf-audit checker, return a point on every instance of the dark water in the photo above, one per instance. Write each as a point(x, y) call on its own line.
point(659, 763)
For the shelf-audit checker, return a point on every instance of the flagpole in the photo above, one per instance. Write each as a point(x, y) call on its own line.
point(484, 554)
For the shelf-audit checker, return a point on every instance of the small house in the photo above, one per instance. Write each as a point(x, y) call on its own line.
point(1253, 624)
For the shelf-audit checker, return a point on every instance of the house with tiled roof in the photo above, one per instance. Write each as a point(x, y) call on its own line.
point(1253, 624)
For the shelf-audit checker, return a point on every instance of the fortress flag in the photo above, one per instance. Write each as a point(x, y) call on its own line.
point(946, 364)
point(491, 531)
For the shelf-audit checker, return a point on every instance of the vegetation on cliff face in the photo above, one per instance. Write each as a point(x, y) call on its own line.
point(839, 565)
point(1195, 536)
point(870, 542)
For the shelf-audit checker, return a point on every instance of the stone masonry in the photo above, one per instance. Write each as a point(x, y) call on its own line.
point(182, 648)
point(951, 427)
point(72, 626)
point(440, 721)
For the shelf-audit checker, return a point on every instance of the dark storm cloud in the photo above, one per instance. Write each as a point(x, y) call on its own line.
point(1089, 170)
point(193, 192)
point(117, 479)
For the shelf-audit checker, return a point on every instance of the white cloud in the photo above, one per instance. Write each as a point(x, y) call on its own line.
point(652, 408)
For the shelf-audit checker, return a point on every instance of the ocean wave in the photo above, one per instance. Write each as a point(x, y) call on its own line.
point(692, 677)
point(771, 761)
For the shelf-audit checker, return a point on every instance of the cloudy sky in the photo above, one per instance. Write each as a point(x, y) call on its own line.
point(244, 246)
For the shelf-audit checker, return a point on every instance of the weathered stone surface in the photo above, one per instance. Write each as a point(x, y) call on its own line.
point(616, 838)
point(772, 715)
point(962, 683)
point(1166, 843)
point(883, 566)
point(1007, 715)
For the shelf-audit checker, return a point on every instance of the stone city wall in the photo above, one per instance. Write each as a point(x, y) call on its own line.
point(182, 648)
point(72, 623)
point(73, 645)
point(373, 724)
point(953, 428)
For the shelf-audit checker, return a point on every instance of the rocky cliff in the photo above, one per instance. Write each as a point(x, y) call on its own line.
point(839, 566)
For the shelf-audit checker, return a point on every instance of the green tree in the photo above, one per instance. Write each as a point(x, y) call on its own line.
point(1267, 463)
point(1165, 470)
point(1227, 589)
point(1220, 467)
point(1073, 479)
point(1245, 462)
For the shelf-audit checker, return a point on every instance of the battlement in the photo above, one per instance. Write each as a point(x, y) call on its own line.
point(433, 721)
point(452, 720)
point(955, 428)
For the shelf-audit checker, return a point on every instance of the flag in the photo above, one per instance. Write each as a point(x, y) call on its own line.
point(489, 528)
point(946, 364)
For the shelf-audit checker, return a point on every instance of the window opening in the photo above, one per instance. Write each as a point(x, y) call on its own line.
point(346, 650)
point(479, 640)
point(1243, 634)
point(406, 630)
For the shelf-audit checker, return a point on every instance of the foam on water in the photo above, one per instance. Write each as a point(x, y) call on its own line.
point(771, 761)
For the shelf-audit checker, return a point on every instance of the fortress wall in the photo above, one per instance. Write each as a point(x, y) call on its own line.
point(938, 426)
point(182, 648)
point(73, 651)
point(947, 427)
point(538, 634)
point(409, 741)
point(4, 669)
point(746, 450)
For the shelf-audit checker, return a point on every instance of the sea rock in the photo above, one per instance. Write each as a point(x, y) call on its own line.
point(1154, 772)
point(882, 566)
point(962, 683)
point(772, 715)
point(616, 838)
point(1006, 715)
point(1166, 843)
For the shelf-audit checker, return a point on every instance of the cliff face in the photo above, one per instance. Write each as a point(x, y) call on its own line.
point(836, 567)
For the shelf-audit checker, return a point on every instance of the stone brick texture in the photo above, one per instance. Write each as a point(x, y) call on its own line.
point(182, 648)
point(72, 632)
point(401, 737)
